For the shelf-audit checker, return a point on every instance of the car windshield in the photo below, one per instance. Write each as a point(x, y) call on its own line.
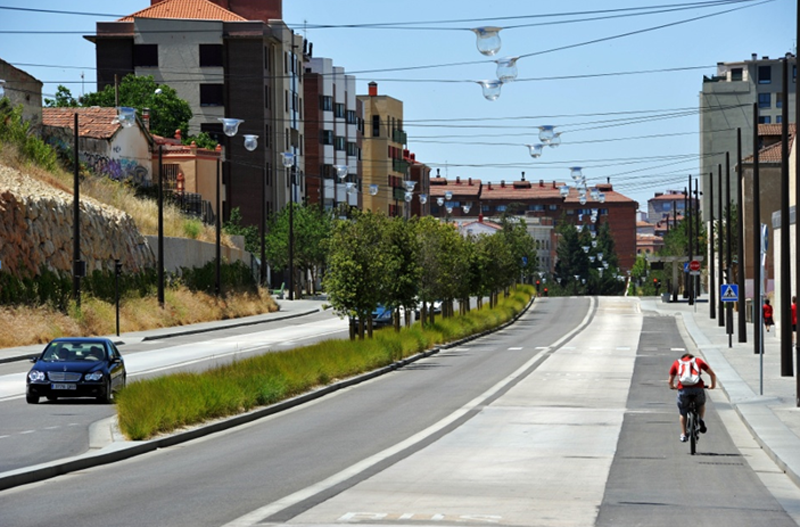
point(74, 351)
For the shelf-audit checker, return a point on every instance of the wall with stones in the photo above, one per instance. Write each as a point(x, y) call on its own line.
point(36, 230)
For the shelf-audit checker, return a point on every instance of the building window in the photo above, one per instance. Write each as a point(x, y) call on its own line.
point(326, 102)
point(765, 74)
point(326, 137)
point(553, 207)
point(351, 117)
point(210, 55)
point(145, 55)
point(764, 100)
point(352, 149)
point(764, 119)
point(340, 143)
point(778, 119)
point(501, 208)
point(736, 74)
point(779, 100)
point(376, 126)
point(211, 95)
point(339, 111)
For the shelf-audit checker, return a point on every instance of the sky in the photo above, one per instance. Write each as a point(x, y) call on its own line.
point(619, 79)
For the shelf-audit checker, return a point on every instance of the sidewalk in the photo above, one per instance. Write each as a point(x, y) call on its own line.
point(773, 418)
point(288, 309)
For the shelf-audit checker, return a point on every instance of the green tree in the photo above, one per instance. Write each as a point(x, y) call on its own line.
point(312, 228)
point(168, 112)
point(63, 99)
point(523, 249)
point(358, 264)
point(403, 266)
point(572, 260)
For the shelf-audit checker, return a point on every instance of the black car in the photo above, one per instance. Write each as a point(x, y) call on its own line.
point(76, 367)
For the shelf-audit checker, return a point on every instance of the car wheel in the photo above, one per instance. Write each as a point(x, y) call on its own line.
point(108, 398)
point(32, 399)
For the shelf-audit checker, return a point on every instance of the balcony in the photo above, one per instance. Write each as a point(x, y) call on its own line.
point(399, 165)
point(399, 136)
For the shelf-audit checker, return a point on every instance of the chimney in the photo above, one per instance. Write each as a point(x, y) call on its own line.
point(490, 185)
point(502, 183)
point(373, 89)
point(178, 135)
point(458, 180)
point(754, 56)
point(523, 176)
point(470, 182)
point(146, 118)
point(541, 183)
point(554, 185)
point(480, 216)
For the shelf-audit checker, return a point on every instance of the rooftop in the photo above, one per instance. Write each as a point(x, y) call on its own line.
point(186, 10)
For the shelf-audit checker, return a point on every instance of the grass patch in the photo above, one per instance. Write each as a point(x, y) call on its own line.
point(164, 404)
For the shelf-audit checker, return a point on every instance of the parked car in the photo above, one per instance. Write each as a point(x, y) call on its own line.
point(76, 367)
point(382, 316)
point(436, 306)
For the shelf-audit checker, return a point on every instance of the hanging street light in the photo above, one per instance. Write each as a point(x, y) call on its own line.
point(535, 150)
point(488, 42)
point(546, 133)
point(491, 89)
point(507, 69)
point(289, 160)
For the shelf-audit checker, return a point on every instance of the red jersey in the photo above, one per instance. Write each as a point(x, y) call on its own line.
point(673, 372)
point(794, 314)
point(767, 311)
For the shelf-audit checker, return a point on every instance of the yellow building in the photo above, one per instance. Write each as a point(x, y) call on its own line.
point(383, 163)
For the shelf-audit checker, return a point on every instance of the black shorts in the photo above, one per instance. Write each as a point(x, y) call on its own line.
point(685, 396)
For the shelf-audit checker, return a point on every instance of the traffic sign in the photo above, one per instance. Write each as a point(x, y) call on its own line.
point(694, 265)
point(729, 293)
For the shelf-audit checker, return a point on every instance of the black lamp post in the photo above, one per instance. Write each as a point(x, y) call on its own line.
point(290, 162)
point(230, 127)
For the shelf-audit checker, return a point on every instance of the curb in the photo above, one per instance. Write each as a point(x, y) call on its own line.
point(120, 451)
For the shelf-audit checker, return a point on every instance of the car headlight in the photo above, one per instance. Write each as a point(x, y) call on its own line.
point(36, 376)
point(94, 376)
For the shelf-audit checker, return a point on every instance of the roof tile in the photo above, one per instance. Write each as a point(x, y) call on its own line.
point(186, 9)
point(95, 122)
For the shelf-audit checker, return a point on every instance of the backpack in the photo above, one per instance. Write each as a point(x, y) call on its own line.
point(688, 372)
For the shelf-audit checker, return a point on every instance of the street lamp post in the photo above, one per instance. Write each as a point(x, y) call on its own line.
point(290, 162)
point(230, 128)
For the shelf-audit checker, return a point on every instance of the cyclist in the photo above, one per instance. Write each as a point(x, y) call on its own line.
point(686, 371)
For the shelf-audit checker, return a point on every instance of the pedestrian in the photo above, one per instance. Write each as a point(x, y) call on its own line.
point(768, 320)
point(687, 372)
point(794, 318)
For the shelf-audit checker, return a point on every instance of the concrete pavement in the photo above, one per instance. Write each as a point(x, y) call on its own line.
point(772, 417)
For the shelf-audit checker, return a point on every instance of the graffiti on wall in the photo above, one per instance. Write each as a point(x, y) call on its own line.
point(121, 169)
point(118, 169)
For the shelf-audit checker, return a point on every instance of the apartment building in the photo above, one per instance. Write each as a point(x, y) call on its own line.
point(726, 104)
point(333, 131)
point(385, 168)
point(227, 59)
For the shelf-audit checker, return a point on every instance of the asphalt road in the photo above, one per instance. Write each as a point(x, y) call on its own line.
point(33, 434)
point(563, 418)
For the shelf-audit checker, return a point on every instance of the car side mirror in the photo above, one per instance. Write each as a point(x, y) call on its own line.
point(34, 359)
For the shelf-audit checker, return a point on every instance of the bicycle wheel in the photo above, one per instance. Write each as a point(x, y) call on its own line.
point(691, 428)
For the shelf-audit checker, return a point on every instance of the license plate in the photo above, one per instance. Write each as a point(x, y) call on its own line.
point(63, 386)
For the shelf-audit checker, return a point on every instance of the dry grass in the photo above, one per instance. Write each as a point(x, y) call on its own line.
point(22, 326)
point(143, 211)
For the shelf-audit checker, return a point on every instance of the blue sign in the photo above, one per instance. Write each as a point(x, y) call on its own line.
point(729, 293)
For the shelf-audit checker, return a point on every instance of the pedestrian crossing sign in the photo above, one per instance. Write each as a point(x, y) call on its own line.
point(729, 293)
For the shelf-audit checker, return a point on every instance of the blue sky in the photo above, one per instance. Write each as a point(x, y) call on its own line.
point(593, 93)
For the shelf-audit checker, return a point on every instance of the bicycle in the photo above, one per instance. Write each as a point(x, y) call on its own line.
point(693, 426)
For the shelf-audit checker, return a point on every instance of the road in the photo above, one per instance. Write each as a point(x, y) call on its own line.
point(30, 434)
point(563, 418)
